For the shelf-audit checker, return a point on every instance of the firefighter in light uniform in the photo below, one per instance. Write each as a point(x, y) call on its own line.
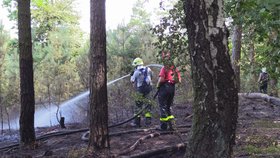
point(142, 81)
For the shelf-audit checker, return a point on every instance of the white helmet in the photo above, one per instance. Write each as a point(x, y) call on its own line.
point(263, 69)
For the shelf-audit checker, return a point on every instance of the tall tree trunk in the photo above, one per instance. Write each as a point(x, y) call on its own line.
point(27, 132)
point(49, 100)
point(274, 89)
point(8, 119)
point(215, 92)
point(99, 138)
point(2, 116)
point(236, 52)
point(253, 76)
point(273, 35)
point(1, 104)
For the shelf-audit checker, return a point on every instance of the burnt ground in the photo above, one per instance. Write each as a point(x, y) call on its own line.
point(257, 136)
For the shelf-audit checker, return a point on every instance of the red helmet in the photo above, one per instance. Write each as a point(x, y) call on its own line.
point(165, 55)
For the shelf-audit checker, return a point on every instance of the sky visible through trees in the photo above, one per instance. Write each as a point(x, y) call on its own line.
point(117, 12)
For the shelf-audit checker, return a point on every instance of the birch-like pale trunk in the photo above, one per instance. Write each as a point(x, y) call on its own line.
point(215, 104)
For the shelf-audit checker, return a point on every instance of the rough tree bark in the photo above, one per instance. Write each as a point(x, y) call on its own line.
point(253, 76)
point(2, 55)
point(274, 89)
point(236, 46)
point(215, 92)
point(99, 138)
point(27, 109)
point(1, 113)
point(236, 52)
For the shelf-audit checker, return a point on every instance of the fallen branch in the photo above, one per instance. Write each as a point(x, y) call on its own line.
point(85, 136)
point(161, 151)
point(186, 118)
point(265, 97)
point(140, 140)
point(131, 148)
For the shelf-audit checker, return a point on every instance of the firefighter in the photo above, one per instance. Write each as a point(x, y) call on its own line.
point(168, 77)
point(263, 81)
point(141, 79)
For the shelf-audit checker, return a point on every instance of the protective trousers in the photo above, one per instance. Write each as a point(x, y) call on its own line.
point(165, 99)
point(263, 88)
point(143, 99)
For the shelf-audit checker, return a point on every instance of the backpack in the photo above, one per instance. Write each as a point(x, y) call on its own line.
point(146, 84)
point(144, 76)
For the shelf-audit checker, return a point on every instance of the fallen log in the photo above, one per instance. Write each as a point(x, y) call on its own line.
point(265, 97)
point(161, 151)
point(85, 136)
point(140, 140)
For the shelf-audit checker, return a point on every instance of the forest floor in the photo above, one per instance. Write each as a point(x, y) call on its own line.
point(257, 136)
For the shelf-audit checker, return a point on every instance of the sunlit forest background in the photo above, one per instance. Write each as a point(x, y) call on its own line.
point(60, 48)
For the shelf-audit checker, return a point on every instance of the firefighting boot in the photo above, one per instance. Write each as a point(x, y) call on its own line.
point(136, 122)
point(169, 126)
point(148, 121)
point(163, 125)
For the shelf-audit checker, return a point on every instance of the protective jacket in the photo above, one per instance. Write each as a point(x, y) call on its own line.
point(166, 95)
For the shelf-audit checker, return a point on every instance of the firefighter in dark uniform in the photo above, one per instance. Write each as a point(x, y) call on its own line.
point(263, 81)
point(168, 77)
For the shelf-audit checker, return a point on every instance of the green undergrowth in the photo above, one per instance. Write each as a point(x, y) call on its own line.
point(77, 152)
point(251, 149)
point(267, 143)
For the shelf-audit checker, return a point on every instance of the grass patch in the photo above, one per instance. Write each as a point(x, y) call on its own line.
point(251, 149)
point(261, 141)
point(262, 144)
point(266, 124)
point(77, 152)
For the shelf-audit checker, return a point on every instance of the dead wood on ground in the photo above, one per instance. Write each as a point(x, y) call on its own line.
point(265, 97)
